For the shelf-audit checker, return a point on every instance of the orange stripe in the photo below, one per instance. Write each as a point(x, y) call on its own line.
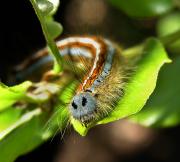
point(97, 71)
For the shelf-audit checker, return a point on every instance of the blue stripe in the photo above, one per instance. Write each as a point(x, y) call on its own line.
point(32, 69)
point(107, 66)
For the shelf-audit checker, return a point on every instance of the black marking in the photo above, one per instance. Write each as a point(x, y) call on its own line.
point(88, 90)
point(84, 101)
point(74, 105)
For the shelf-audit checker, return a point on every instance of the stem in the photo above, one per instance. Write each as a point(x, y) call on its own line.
point(170, 38)
point(133, 51)
point(166, 40)
point(58, 62)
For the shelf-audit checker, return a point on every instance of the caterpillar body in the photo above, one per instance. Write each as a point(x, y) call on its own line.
point(101, 86)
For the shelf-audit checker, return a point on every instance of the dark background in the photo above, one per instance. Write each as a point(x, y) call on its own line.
point(119, 141)
point(21, 33)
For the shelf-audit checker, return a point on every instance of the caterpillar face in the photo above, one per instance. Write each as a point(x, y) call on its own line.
point(83, 106)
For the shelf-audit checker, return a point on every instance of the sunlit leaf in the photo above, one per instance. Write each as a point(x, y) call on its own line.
point(20, 132)
point(8, 117)
point(9, 95)
point(21, 136)
point(163, 107)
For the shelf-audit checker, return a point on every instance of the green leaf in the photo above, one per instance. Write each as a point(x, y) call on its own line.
point(20, 137)
point(163, 107)
point(23, 119)
point(9, 95)
point(54, 28)
point(28, 132)
point(169, 25)
point(8, 117)
point(20, 132)
point(139, 87)
point(143, 8)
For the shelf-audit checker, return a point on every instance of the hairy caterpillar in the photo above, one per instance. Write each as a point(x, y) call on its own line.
point(102, 84)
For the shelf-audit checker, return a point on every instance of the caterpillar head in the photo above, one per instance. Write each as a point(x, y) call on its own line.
point(83, 106)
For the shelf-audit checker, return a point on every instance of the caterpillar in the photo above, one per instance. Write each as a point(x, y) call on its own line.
point(102, 84)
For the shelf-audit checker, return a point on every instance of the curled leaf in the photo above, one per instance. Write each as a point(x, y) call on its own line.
point(163, 107)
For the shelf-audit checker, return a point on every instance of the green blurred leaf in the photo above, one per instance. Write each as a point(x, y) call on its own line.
point(8, 117)
point(163, 107)
point(9, 95)
point(143, 8)
point(21, 120)
point(21, 131)
point(21, 137)
point(168, 25)
point(54, 28)
point(139, 87)
point(28, 132)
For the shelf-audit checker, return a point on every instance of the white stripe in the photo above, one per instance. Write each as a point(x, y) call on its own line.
point(95, 44)
point(76, 51)
point(107, 65)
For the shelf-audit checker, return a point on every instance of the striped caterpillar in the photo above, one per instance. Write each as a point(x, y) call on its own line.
point(102, 84)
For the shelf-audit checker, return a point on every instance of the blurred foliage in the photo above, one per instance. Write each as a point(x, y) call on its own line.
point(167, 25)
point(143, 8)
point(10, 95)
